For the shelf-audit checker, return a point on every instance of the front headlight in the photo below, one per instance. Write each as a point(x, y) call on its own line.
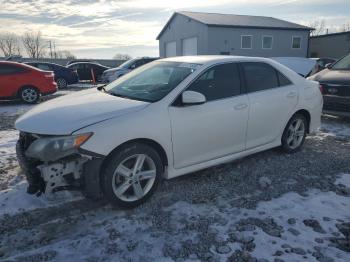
point(54, 148)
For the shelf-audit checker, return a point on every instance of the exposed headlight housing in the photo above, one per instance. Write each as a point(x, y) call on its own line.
point(54, 148)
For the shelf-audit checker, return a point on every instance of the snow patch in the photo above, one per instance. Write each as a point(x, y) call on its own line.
point(16, 200)
point(344, 179)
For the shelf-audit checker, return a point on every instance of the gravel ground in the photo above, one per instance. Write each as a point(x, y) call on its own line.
point(259, 207)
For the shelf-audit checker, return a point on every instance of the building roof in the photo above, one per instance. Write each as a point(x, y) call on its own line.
point(231, 20)
point(331, 34)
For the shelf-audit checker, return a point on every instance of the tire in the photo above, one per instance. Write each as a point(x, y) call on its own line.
point(294, 134)
point(133, 167)
point(29, 95)
point(61, 83)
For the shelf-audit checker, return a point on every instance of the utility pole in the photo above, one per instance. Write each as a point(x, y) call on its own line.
point(50, 46)
point(54, 49)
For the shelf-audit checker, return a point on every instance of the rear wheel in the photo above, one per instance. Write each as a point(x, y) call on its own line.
point(131, 175)
point(29, 95)
point(294, 134)
point(61, 83)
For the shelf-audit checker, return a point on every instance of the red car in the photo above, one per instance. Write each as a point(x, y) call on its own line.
point(20, 81)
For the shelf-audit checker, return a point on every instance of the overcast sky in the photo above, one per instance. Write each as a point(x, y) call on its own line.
point(101, 28)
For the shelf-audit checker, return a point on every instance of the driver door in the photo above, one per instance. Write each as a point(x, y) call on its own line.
point(215, 128)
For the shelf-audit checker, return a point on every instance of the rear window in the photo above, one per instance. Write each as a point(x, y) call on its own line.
point(44, 67)
point(283, 80)
point(10, 69)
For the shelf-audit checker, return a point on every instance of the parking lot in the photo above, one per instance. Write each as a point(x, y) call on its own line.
point(269, 206)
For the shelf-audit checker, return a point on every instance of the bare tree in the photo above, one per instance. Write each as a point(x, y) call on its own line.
point(34, 45)
point(66, 54)
point(9, 44)
point(346, 27)
point(122, 57)
point(319, 26)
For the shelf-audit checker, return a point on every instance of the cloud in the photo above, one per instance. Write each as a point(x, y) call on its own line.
point(86, 25)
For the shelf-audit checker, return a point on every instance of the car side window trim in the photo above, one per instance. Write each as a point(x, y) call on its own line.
point(242, 89)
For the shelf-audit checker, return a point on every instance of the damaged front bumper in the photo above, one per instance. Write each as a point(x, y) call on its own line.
point(79, 171)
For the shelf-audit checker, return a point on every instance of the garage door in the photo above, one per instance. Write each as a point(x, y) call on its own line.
point(189, 46)
point(170, 49)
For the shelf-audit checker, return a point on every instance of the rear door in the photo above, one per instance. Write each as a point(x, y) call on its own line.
point(272, 98)
point(11, 79)
point(216, 128)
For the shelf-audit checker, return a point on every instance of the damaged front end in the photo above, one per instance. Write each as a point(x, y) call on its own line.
point(55, 163)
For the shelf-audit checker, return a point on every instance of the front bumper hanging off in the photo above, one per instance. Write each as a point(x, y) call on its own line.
point(78, 171)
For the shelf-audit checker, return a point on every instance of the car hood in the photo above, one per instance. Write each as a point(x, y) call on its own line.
point(66, 114)
point(341, 77)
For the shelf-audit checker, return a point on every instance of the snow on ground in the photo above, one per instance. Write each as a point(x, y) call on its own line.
point(14, 199)
point(8, 162)
point(331, 126)
point(344, 179)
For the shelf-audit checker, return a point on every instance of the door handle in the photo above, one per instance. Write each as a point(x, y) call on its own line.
point(240, 106)
point(291, 94)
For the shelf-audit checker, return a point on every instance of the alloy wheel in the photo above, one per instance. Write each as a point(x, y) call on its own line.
point(134, 177)
point(29, 95)
point(61, 83)
point(296, 133)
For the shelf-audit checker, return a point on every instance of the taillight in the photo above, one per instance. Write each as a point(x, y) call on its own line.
point(321, 89)
point(49, 75)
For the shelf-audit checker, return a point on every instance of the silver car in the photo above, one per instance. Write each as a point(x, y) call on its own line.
point(114, 73)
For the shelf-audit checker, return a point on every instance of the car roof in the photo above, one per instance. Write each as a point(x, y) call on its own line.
point(91, 63)
point(20, 65)
point(205, 59)
point(39, 62)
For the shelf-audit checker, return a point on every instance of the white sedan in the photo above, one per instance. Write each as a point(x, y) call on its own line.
point(165, 119)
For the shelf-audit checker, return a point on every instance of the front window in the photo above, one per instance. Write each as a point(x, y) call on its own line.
point(151, 82)
point(342, 64)
point(128, 63)
point(296, 42)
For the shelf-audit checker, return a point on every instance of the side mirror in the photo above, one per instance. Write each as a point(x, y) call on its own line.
point(329, 65)
point(193, 98)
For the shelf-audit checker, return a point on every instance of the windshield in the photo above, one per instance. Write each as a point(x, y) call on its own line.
point(151, 82)
point(128, 63)
point(342, 64)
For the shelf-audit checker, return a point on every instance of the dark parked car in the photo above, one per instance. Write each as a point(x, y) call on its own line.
point(63, 75)
point(86, 69)
point(335, 84)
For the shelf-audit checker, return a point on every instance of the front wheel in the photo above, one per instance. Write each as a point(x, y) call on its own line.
point(29, 95)
point(131, 175)
point(294, 134)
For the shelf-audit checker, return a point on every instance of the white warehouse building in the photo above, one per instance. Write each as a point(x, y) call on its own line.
point(193, 33)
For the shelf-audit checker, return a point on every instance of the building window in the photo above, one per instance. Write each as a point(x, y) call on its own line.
point(296, 42)
point(267, 42)
point(246, 41)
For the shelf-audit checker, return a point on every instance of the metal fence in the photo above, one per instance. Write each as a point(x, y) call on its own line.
point(105, 62)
